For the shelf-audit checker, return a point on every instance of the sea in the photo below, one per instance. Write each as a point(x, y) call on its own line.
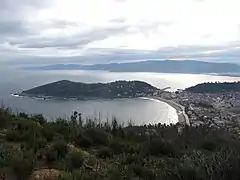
point(137, 111)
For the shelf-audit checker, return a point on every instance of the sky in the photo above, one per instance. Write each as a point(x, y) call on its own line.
point(94, 31)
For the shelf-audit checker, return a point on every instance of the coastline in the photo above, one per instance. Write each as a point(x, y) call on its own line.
point(182, 116)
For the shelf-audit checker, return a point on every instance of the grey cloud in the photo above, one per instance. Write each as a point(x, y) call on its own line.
point(70, 42)
point(12, 28)
point(222, 53)
point(130, 55)
point(15, 9)
point(12, 21)
point(15, 4)
point(18, 36)
point(62, 24)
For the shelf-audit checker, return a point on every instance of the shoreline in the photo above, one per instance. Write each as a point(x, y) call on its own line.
point(182, 116)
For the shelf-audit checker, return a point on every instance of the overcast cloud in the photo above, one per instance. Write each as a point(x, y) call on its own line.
point(91, 31)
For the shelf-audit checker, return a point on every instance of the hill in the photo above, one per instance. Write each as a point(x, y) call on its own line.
point(167, 66)
point(68, 89)
point(215, 87)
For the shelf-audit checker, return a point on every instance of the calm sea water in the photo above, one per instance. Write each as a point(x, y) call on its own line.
point(140, 111)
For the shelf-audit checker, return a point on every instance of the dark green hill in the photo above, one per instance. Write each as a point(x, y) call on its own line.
point(68, 89)
point(215, 87)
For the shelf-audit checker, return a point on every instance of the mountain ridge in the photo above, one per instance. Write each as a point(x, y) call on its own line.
point(166, 66)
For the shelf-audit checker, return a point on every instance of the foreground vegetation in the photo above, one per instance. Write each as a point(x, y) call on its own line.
point(32, 148)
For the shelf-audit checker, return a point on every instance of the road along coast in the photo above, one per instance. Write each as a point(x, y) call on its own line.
point(182, 116)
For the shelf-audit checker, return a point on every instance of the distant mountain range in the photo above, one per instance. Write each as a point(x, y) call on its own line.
point(78, 90)
point(166, 66)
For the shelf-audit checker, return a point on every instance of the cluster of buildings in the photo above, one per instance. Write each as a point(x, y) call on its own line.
point(215, 109)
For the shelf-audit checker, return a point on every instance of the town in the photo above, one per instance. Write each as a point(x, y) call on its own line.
point(213, 109)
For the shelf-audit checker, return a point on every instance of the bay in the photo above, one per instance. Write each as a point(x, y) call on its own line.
point(139, 111)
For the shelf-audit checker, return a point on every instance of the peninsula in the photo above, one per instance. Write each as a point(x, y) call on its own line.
point(215, 87)
point(77, 90)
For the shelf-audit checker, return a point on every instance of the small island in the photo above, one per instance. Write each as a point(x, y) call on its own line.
point(77, 90)
point(215, 87)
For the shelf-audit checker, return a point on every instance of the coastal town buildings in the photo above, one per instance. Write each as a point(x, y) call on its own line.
point(213, 109)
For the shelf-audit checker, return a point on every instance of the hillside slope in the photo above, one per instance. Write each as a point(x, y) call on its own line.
point(68, 89)
point(215, 87)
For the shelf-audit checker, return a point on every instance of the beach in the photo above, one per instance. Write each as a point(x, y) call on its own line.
point(182, 116)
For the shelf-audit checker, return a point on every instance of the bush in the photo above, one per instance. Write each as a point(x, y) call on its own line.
point(83, 141)
point(36, 144)
point(79, 175)
point(51, 156)
point(13, 135)
point(117, 146)
point(136, 169)
point(141, 171)
point(65, 176)
point(209, 145)
point(90, 161)
point(3, 121)
point(104, 152)
point(133, 149)
point(114, 174)
point(22, 165)
point(98, 136)
point(47, 132)
point(136, 159)
point(39, 118)
point(61, 148)
point(160, 147)
point(23, 115)
point(74, 160)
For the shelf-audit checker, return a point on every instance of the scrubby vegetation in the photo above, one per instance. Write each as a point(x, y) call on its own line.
point(32, 148)
point(215, 87)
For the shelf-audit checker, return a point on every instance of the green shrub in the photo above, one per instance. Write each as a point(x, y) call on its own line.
point(160, 147)
point(51, 156)
point(65, 176)
point(79, 175)
point(74, 160)
point(209, 145)
point(136, 159)
point(61, 148)
point(114, 174)
point(40, 119)
point(61, 127)
point(133, 149)
point(13, 135)
point(104, 152)
point(98, 136)
point(47, 132)
point(141, 171)
point(83, 141)
point(117, 146)
point(136, 169)
point(4, 121)
point(36, 144)
point(22, 165)
point(23, 115)
point(90, 161)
